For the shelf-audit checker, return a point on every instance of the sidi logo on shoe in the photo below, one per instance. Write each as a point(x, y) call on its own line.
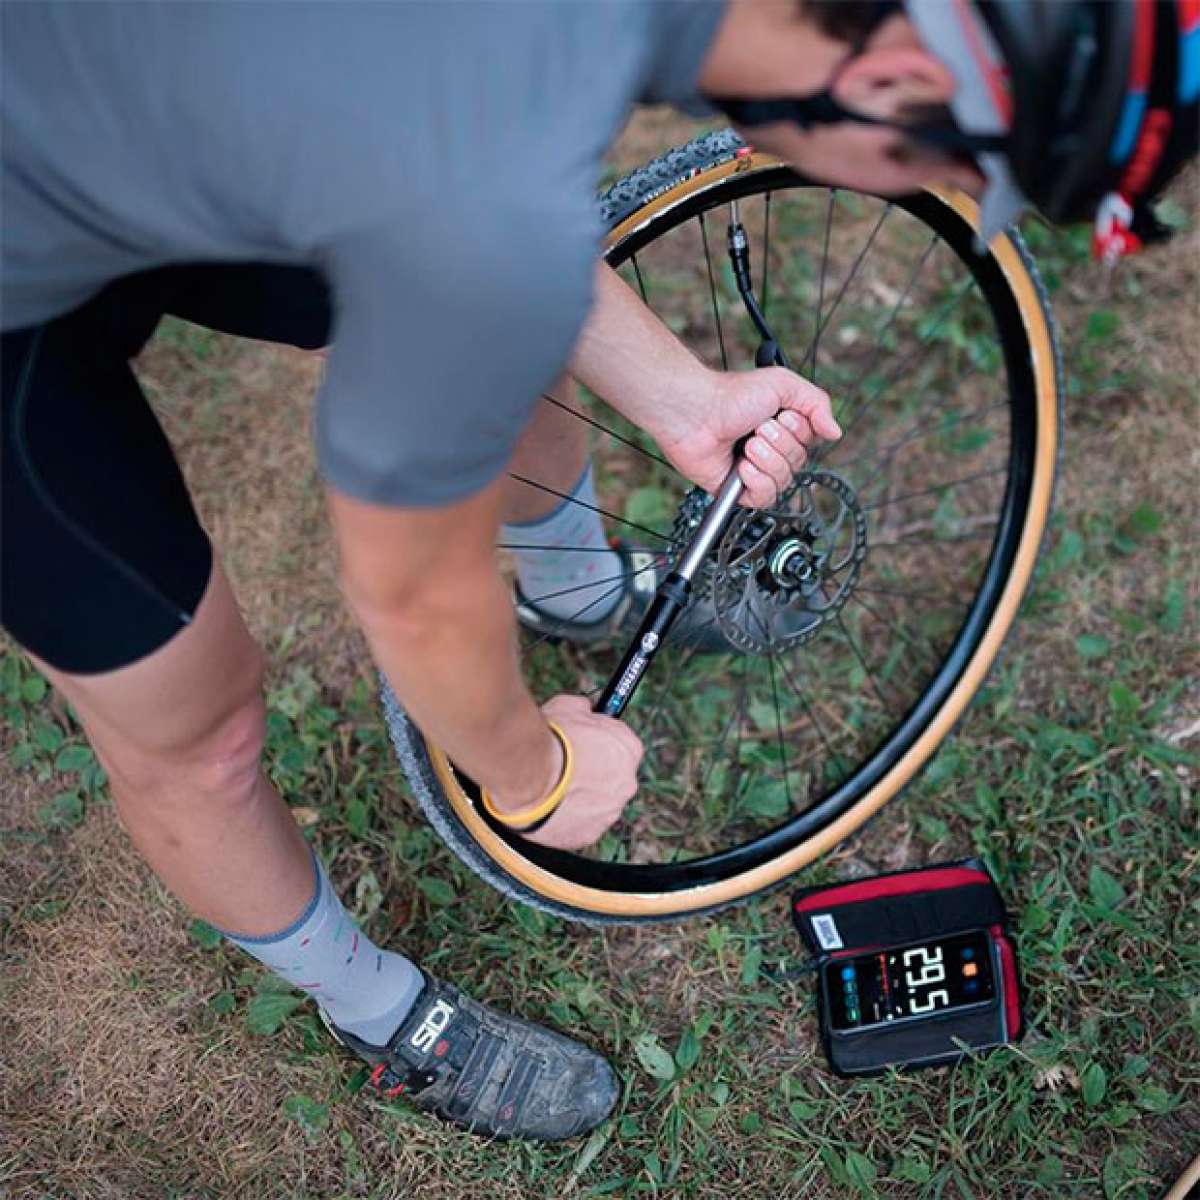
point(436, 1020)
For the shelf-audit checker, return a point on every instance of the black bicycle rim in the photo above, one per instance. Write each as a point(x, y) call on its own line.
point(736, 860)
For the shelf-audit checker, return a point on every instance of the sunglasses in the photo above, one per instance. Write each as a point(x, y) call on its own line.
point(822, 109)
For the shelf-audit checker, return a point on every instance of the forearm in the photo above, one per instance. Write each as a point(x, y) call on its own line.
point(450, 657)
point(706, 422)
point(424, 586)
point(627, 356)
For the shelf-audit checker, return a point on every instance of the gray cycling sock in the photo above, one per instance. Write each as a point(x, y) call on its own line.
point(364, 990)
point(566, 567)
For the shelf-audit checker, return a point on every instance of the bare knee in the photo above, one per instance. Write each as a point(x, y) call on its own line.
point(219, 765)
point(227, 759)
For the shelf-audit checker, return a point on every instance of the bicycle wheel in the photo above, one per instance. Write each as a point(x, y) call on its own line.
point(944, 372)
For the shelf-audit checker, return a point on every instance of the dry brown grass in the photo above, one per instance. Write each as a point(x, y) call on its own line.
point(1125, 446)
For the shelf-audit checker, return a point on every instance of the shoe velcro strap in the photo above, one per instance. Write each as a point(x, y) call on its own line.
point(475, 1074)
point(516, 1090)
point(460, 1043)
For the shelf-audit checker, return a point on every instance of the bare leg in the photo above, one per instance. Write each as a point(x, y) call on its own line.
point(552, 450)
point(180, 733)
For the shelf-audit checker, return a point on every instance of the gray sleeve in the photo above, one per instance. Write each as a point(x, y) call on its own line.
point(682, 35)
point(444, 337)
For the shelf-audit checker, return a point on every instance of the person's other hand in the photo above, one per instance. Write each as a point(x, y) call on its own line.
point(699, 440)
point(607, 753)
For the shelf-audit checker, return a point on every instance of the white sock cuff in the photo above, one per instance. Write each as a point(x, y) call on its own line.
point(583, 492)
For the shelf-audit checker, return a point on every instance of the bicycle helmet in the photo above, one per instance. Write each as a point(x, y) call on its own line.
point(1084, 109)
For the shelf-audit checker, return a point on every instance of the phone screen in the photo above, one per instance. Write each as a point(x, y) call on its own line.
point(911, 981)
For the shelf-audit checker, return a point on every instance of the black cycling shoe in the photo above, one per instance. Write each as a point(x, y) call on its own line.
point(487, 1072)
point(643, 571)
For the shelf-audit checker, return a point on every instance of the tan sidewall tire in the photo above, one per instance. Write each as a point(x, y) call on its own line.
point(530, 881)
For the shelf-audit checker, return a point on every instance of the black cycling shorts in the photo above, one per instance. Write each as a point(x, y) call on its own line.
point(102, 557)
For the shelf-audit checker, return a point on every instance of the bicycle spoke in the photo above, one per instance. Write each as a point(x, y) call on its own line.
point(712, 291)
point(982, 535)
point(787, 783)
point(911, 594)
point(637, 271)
point(918, 352)
point(862, 662)
point(924, 650)
point(542, 639)
point(766, 254)
point(612, 433)
point(862, 254)
point(918, 432)
point(734, 715)
point(736, 760)
point(544, 487)
point(771, 656)
point(554, 549)
point(817, 326)
point(881, 333)
point(583, 587)
point(545, 637)
point(684, 657)
point(809, 711)
point(934, 491)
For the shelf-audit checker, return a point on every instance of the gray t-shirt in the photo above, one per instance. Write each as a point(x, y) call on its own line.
point(436, 161)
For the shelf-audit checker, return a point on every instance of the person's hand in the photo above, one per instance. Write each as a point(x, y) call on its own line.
point(607, 753)
point(699, 440)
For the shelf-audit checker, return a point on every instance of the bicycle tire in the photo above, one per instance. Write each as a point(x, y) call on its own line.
point(634, 210)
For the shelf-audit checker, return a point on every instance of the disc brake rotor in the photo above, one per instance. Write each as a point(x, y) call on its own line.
point(780, 574)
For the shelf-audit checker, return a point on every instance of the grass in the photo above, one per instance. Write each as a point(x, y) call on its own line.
point(141, 1057)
